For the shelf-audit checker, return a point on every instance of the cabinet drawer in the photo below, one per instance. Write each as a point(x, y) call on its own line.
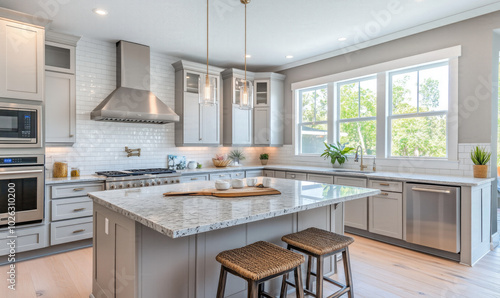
point(70, 208)
point(387, 185)
point(348, 181)
point(296, 176)
point(254, 173)
point(279, 174)
point(193, 178)
point(220, 176)
point(320, 178)
point(70, 230)
point(75, 190)
point(268, 173)
point(27, 239)
point(237, 175)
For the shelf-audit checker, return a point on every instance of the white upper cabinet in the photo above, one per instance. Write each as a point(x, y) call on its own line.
point(238, 123)
point(21, 61)
point(199, 123)
point(268, 109)
point(60, 89)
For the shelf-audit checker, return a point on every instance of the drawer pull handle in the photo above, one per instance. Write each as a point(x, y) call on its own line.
point(78, 231)
point(384, 194)
point(385, 184)
point(194, 178)
point(78, 209)
point(78, 189)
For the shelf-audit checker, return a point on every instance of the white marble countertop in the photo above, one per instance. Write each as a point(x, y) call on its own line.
point(188, 215)
point(410, 177)
point(83, 178)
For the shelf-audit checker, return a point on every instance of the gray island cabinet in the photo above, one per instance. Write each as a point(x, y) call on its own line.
point(147, 245)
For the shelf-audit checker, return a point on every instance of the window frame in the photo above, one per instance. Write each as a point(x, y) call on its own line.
point(390, 116)
point(338, 121)
point(299, 124)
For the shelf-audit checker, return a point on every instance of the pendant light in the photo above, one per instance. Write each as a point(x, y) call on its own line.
point(209, 91)
point(246, 91)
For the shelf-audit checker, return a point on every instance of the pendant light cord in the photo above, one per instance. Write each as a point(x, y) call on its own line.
point(206, 78)
point(245, 48)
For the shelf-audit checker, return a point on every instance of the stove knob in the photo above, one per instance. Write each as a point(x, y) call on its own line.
point(129, 185)
point(113, 186)
point(159, 182)
point(177, 181)
point(165, 181)
point(120, 186)
point(142, 184)
point(134, 185)
point(153, 183)
point(147, 183)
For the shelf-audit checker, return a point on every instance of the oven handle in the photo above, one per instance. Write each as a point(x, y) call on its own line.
point(21, 172)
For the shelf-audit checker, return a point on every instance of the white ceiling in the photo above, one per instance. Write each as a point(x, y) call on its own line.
point(276, 28)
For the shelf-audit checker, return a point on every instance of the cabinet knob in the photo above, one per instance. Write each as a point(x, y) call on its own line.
point(71, 135)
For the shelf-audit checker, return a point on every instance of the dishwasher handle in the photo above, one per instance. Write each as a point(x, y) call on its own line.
point(431, 190)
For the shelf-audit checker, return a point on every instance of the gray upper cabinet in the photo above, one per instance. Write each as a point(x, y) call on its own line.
point(60, 89)
point(268, 109)
point(237, 129)
point(21, 61)
point(199, 123)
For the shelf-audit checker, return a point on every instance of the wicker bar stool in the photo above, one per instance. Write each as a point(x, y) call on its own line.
point(317, 243)
point(257, 263)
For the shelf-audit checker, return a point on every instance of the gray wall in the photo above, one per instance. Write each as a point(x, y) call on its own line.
point(475, 70)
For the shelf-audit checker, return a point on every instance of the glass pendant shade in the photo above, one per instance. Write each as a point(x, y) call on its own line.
point(209, 91)
point(246, 96)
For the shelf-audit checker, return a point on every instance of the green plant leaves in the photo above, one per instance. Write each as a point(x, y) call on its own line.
point(480, 156)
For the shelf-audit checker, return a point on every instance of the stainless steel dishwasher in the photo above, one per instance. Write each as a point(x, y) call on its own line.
point(433, 216)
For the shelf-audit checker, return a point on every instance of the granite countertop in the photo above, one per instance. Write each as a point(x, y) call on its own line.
point(188, 215)
point(209, 170)
point(84, 178)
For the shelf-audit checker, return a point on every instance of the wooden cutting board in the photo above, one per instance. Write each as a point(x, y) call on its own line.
point(230, 193)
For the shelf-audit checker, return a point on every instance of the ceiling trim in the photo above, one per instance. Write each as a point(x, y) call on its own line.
point(396, 35)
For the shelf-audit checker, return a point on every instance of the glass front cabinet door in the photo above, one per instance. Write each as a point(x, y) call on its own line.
point(261, 93)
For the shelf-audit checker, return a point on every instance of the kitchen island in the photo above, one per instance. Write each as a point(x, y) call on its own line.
point(148, 245)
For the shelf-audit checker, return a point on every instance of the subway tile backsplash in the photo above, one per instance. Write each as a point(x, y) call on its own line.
point(100, 145)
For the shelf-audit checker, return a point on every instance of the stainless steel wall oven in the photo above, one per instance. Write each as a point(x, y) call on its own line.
point(22, 187)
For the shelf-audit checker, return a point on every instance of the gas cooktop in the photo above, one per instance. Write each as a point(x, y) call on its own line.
point(136, 172)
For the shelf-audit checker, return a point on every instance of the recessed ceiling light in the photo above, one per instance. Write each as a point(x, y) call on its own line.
point(100, 11)
point(288, 56)
point(248, 56)
point(342, 39)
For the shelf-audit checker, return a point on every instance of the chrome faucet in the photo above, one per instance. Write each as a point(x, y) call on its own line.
point(356, 159)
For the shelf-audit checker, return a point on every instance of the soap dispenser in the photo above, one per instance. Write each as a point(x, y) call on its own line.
point(374, 165)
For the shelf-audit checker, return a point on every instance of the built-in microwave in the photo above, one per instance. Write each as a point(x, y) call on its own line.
point(20, 125)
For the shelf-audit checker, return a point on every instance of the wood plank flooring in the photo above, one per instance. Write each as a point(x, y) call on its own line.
point(379, 270)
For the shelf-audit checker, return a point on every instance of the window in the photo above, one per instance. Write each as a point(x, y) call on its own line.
point(357, 112)
point(418, 110)
point(312, 124)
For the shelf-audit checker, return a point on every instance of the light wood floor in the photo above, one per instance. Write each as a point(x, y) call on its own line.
point(379, 270)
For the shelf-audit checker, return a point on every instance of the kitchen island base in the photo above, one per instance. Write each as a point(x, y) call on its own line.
point(132, 260)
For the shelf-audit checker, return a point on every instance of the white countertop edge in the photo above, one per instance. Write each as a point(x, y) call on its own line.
point(225, 224)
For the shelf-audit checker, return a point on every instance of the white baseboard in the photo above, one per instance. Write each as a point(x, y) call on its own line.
point(495, 240)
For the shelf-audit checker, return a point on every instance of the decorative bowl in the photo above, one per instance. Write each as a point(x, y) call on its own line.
point(221, 163)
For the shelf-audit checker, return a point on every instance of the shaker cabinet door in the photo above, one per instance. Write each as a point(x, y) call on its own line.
point(21, 61)
point(60, 108)
point(192, 133)
point(261, 126)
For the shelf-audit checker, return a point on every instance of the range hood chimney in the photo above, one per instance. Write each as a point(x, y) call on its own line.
point(132, 101)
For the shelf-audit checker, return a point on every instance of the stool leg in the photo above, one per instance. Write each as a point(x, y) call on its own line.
point(308, 276)
point(319, 277)
point(222, 282)
point(261, 289)
point(284, 286)
point(299, 288)
point(347, 271)
point(253, 291)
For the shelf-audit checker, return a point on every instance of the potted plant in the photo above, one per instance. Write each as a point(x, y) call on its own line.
point(480, 157)
point(264, 157)
point(236, 156)
point(336, 153)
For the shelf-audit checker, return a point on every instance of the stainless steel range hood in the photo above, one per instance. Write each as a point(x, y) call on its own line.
point(132, 101)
